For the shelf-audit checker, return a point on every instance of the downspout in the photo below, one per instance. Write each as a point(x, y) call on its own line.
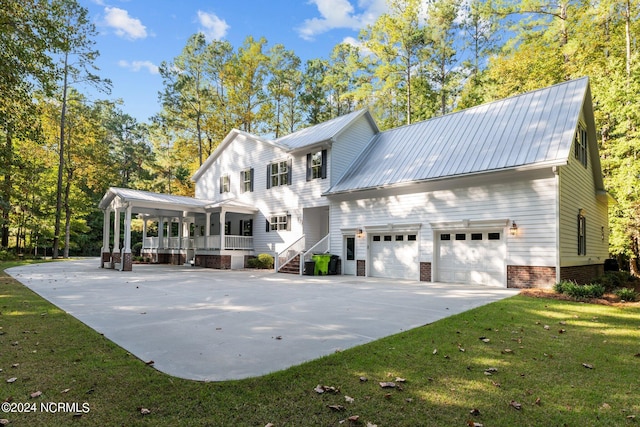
point(556, 172)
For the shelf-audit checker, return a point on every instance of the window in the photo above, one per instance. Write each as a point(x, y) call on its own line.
point(376, 238)
point(224, 184)
point(387, 238)
point(279, 223)
point(246, 227)
point(399, 237)
point(317, 165)
point(246, 180)
point(412, 237)
point(445, 237)
point(581, 145)
point(582, 235)
point(351, 248)
point(476, 236)
point(494, 236)
point(279, 173)
point(461, 236)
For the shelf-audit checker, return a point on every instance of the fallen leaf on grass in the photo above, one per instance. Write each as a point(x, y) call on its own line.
point(388, 384)
point(336, 407)
point(12, 380)
point(364, 379)
point(538, 401)
point(490, 371)
point(66, 390)
point(547, 327)
point(36, 394)
point(475, 412)
point(435, 351)
point(326, 389)
point(371, 424)
point(349, 399)
point(515, 405)
point(606, 406)
point(4, 422)
point(145, 411)
point(269, 425)
point(587, 365)
point(149, 362)
point(400, 380)
point(472, 423)
point(507, 351)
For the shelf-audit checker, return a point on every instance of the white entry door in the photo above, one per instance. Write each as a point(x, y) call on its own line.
point(349, 258)
point(471, 257)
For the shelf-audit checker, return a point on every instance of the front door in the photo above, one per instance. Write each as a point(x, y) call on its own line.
point(349, 258)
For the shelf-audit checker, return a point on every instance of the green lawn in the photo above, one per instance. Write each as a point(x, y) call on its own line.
point(562, 363)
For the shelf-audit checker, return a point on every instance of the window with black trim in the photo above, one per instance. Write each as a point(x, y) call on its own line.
point(461, 236)
point(387, 238)
point(246, 180)
point(582, 235)
point(476, 236)
point(493, 236)
point(246, 227)
point(317, 165)
point(399, 238)
point(412, 237)
point(225, 184)
point(279, 173)
point(376, 238)
point(580, 143)
point(445, 237)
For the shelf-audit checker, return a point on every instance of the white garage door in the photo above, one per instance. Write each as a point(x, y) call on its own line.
point(472, 257)
point(394, 256)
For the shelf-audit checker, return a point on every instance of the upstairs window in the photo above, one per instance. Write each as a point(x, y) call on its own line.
point(581, 145)
point(279, 223)
point(225, 185)
point(246, 180)
point(317, 165)
point(279, 173)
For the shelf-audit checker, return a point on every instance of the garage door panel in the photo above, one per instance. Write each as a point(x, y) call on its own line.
point(394, 259)
point(471, 257)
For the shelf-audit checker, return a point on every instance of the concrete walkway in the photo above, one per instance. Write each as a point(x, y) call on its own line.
point(206, 324)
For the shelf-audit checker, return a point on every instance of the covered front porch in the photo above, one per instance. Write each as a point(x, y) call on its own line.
point(176, 230)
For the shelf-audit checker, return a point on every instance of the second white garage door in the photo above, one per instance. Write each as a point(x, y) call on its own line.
point(394, 256)
point(472, 257)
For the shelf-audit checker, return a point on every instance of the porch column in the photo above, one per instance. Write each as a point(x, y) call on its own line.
point(115, 256)
point(127, 261)
point(144, 232)
point(160, 232)
point(180, 232)
point(207, 230)
point(222, 228)
point(105, 252)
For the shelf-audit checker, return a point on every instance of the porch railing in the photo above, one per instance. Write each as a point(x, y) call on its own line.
point(290, 252)
point(322, 247)
point(201, 242)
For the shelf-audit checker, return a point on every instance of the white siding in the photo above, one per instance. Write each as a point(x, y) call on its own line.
point(348, 146)
point(529, 202)
point(578, 191)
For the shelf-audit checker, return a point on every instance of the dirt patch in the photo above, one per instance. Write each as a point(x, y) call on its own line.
point(607, 299)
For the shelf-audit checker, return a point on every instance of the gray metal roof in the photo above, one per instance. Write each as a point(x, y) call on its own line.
point(128, 195)
point(529, 129)
point(319, 133)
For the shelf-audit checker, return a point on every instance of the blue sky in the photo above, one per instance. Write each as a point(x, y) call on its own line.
point(135, 36)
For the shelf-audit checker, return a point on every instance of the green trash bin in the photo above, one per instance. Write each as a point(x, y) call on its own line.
point(322, 264)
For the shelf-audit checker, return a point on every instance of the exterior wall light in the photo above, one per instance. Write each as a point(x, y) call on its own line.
point(514, 228)
point(359, 232)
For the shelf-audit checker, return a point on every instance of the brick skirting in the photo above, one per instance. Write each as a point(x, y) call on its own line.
point(105, 261)
point(581, 274)
point(173, 259)
point(530, 276)
point(221, 262)
point(127, 262)
point(361, 268)
point(115, 259)
point(425, 272)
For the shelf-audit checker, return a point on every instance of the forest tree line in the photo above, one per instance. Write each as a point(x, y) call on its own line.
point(60, 150)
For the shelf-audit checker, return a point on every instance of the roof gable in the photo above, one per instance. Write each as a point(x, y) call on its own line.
point(535, 128)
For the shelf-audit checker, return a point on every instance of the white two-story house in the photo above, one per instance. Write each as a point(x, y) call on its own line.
point(508, 193)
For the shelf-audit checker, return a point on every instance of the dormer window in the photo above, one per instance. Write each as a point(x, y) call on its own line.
point(317, 165)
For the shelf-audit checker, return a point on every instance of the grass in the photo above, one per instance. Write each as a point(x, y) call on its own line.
point(538, 347)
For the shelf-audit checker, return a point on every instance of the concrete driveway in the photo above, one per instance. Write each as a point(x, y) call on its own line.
point(214, 325)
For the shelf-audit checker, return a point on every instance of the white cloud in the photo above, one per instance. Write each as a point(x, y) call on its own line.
point(364, 51)
point(139, 65)
point(124, 25)
point(341, 14)
point(213, 27)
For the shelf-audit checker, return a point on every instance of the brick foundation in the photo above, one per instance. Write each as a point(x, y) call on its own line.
point(115, 259)
point(425, 272)
point(221, 262)
point(105, 261)
point(127, 262)
point(173, 259)
point(361, 269)
point(581, 274)
point(529, 276)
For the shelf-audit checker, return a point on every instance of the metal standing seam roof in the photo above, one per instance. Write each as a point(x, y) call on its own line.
point(533, 128)
point(318, 133)
point(128, 195)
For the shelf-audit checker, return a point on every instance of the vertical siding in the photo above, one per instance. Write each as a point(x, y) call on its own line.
point(530, 202)
point(578, 191)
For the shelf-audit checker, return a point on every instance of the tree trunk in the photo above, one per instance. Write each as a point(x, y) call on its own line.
point(6, 189)
point(56, 233)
